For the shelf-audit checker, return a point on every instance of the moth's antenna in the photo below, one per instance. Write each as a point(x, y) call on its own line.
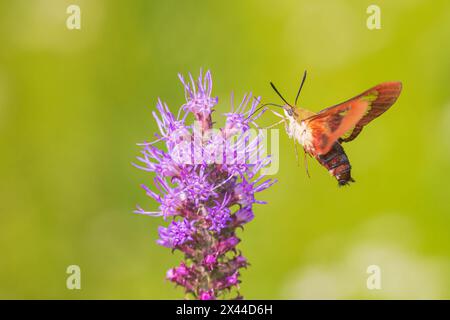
point(278, 92)
point(301, 86)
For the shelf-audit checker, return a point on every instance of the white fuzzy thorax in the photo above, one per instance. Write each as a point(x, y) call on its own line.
point(299, 131)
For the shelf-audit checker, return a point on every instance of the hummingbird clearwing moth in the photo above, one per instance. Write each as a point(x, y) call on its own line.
point(321, 134)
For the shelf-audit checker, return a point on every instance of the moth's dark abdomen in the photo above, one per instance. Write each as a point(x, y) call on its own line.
point(337, 164)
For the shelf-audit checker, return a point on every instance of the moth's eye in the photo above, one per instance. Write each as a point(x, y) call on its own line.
point(290, 113)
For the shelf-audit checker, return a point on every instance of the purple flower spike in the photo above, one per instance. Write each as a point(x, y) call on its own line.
point(205, 186)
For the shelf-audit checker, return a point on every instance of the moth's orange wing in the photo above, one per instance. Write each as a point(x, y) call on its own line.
point(380, 98)
point(346, 120)
point(330, 124)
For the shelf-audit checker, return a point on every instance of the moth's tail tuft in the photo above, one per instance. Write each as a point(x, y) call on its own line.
point(345, 182)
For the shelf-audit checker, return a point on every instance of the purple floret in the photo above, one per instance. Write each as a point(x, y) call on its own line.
point(205, 184)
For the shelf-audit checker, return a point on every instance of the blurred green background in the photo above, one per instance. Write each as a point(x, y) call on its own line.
point(73, 103)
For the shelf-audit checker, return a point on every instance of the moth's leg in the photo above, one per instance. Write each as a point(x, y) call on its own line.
point(296, 152)
point(306, 163)
point(273, 125)
point(277, 114)
point(286, 126)
point(283, 119)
